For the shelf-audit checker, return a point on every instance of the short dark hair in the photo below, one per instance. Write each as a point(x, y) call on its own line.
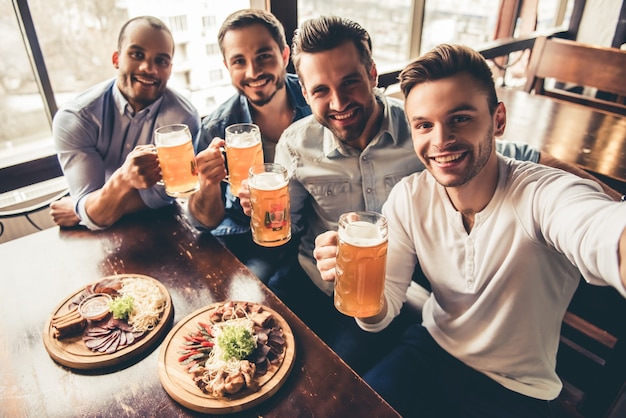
point(150, 20)
point(248, 17)
point(327, 32)
point(445, 61)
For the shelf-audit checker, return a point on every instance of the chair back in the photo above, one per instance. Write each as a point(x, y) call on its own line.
point(583, 65)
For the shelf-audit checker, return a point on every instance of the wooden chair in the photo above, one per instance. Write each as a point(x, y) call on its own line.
point(582, 65)
point(592, 354)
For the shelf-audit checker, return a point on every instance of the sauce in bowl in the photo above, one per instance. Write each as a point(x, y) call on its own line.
point(95, 307)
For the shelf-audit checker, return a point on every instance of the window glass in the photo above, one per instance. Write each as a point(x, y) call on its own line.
point(388, 23)
point(22, 117)
point(77, 39)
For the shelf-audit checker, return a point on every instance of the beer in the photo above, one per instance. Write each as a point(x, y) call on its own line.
point(243, 150)
point(270, 220)
point(177, 160)
point(361, 263)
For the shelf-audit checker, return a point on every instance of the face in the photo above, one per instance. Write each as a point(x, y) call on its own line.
point(453, 131)
point(144, 64)
point(339, 90)
point(255, 62)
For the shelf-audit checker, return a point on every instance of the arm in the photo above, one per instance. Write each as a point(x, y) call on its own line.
point(549, 160)
point(206, 205)
point(120, 194)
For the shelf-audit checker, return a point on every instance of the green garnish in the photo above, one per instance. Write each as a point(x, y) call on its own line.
point(236, 341)
point(121, 307)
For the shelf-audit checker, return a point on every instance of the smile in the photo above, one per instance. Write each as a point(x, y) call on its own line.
point(447, 158)
point(146, 81)
point(259, 83)
point(343, 116)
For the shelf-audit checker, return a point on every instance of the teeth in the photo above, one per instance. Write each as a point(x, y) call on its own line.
point(344, 116)
point(145, 81)
point(257, 83)
point(447, 158)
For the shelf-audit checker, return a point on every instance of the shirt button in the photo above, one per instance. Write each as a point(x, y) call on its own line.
point(329, 192)
point(368, 190)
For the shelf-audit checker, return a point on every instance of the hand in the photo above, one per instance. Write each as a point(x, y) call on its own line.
point(62, 212)
point(325, 253)
point(141, 169)
point(210, 164)
point(244, 198)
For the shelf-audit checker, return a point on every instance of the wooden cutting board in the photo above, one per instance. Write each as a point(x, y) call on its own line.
point(73, 353)
point(178, 383)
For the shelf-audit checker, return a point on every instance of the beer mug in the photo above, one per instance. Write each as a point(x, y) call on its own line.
point(243, 150)
point(176, 159)
point(270, 220)
point(361, 263)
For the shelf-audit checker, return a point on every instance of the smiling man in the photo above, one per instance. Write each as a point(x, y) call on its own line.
point(103, 137)
point(256, 55)
point(503, 244)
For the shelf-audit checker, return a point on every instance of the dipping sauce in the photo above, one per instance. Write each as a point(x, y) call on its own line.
point(95, 307)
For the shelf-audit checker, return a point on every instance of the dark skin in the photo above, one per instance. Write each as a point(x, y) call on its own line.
point(144, 64)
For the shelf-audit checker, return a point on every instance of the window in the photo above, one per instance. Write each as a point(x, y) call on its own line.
point(77, 38)
point(209, 22)
point(213, 49)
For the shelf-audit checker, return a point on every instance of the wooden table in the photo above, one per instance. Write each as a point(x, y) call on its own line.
point(594, 140)
point(41, 270)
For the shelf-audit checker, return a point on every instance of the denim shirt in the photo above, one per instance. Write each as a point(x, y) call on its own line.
point(237, 110)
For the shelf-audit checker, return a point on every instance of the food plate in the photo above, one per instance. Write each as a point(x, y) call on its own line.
point(179, 384)
point(72, 351)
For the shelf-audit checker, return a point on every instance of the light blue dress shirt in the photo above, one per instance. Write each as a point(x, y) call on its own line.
point(95, 132)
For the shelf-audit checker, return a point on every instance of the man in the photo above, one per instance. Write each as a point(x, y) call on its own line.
point(502, 243)
point(345, 157)
point(104, 137)
point(256, 55)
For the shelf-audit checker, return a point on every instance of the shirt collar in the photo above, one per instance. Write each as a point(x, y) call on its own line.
point(123, 107)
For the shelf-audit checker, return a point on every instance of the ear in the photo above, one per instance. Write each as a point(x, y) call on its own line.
point(286, 54)
point(115, 59)
point(374, 75)
point(499, 119)
point(304, 94)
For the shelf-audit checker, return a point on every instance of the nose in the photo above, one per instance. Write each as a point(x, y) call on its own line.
point(337, 100)
point(253, 69)
point(146, 66)
point(442, 137)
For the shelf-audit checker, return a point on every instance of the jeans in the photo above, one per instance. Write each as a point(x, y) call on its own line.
point(420, 379)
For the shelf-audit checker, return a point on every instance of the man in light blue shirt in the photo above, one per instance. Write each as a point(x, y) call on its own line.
point(256, 55)
point(104, 136)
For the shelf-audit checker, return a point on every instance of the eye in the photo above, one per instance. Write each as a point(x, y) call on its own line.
point(238, 62)
point(162, 62)
point(460, 118)
point(423, 126)
point(319, 91)
point(138, 55)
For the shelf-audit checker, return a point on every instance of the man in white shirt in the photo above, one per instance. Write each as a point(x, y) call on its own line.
point(502, 244)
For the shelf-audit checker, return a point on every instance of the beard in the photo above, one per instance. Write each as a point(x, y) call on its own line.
point(353, 132)
point(261, 99)
point(485, 149)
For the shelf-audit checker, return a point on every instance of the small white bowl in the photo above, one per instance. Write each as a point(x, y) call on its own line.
point(95, 307)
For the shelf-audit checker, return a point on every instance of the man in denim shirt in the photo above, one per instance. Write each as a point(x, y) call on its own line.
point(256, 54)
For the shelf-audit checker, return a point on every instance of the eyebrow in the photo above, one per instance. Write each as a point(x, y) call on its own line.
point(355, 74)
point(460, 108)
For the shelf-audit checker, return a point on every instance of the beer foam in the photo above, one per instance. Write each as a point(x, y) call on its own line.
point(172, 139)
point(361, 234)
point(242, 140)
point(268, 181)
